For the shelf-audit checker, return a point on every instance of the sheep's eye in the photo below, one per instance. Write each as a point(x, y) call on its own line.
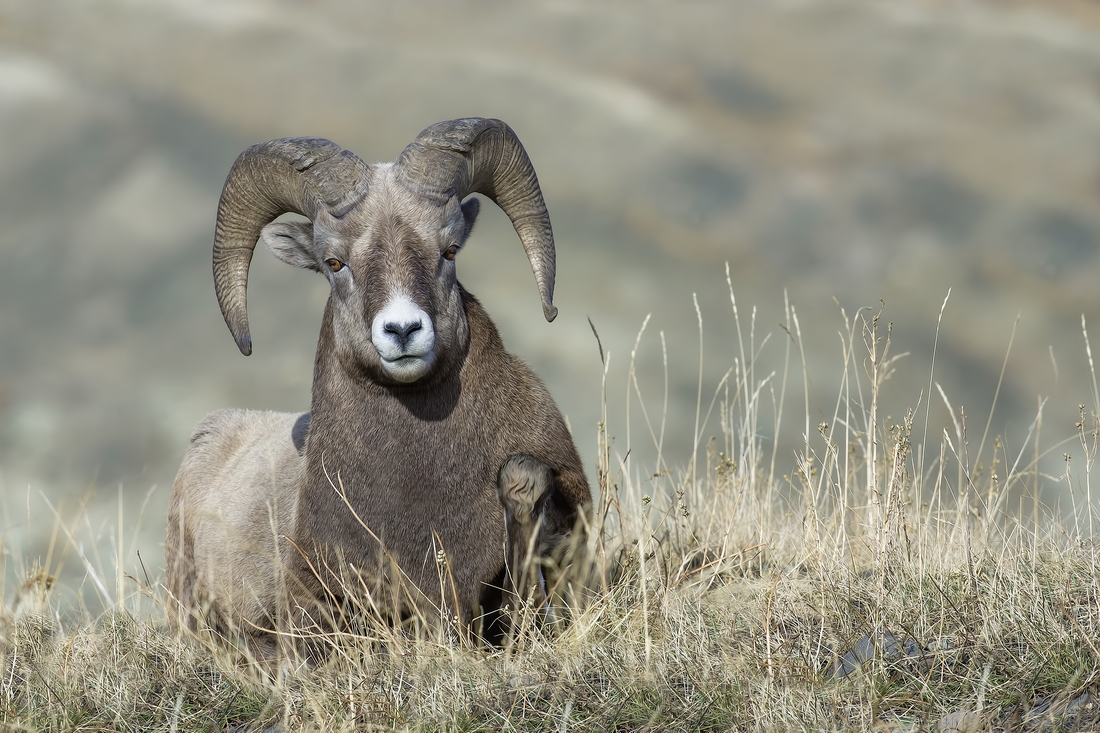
point(334, 264)
point(450, 252)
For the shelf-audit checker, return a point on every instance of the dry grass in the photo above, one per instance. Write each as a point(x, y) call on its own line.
point(875, 585)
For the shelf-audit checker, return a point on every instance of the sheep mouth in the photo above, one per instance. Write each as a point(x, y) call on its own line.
point(408, 368)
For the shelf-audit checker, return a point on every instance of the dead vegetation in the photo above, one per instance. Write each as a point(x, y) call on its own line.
point(889, 580)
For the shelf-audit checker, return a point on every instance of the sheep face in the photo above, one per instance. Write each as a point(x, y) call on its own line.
point(395, 301)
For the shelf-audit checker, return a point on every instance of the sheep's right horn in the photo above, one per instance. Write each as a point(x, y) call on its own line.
point(301, 175)
point(476, 155)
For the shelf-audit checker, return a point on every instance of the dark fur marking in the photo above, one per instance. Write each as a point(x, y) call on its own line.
point(299, 432)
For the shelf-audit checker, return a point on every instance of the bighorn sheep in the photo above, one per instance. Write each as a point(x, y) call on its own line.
point(427, 445)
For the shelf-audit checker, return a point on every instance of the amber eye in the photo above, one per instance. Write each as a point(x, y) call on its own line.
point(334, 264)
point(450, 252)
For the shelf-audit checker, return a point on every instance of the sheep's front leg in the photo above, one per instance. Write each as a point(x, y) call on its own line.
point(523, 486)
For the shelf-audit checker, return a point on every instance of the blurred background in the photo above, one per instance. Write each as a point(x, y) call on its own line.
point(833, 153)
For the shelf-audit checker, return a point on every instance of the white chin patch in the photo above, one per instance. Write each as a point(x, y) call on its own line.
point(403, 335)
point(408, 369)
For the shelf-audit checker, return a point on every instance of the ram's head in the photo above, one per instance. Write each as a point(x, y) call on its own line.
point(384, 235)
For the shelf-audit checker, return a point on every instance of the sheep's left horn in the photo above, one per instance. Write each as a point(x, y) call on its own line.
point(476, 155)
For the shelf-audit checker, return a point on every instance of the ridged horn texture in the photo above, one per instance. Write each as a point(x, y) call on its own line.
point(476, 155)
point(302, 175)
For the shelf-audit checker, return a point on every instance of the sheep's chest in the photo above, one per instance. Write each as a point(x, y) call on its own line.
point(425, 489)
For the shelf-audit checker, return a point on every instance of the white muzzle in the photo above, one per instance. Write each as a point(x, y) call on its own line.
point(402, 334)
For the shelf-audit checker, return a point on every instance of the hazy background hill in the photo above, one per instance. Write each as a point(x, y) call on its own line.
point(853, 150)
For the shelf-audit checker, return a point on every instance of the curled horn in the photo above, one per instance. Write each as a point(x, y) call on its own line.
point(475, 155)
point(302, 175)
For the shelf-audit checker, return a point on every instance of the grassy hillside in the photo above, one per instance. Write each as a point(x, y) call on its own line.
point(850, 148)
point(885, 579)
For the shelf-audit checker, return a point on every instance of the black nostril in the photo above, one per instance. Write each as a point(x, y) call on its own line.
point(402, 331)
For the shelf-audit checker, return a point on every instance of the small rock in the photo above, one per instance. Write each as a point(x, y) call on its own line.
point(961, 721)
point(883, 644)
point(1050, 710)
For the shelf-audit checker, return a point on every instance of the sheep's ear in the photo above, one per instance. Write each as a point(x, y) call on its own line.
point(291, 242)
point(469, 213)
